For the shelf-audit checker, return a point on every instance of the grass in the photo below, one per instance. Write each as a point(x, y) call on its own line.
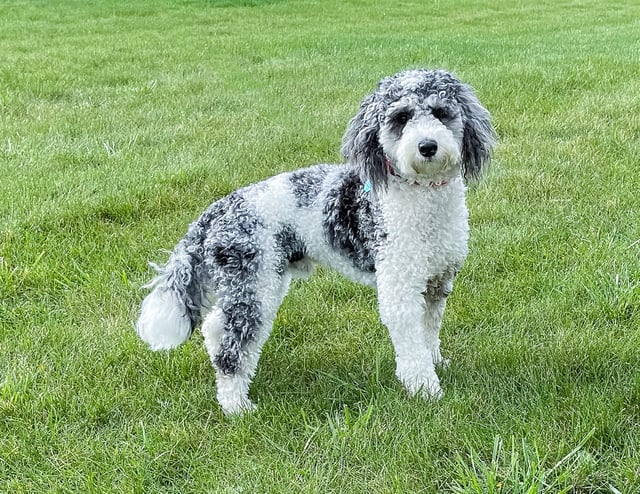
point(121, 121)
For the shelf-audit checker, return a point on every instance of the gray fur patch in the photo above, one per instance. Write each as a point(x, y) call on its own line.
point(307, 184)
point(290, 247)
point(440, 287)
point(350, 222)
point(232, 257)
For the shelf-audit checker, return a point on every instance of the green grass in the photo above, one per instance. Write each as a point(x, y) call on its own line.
point(121, 121)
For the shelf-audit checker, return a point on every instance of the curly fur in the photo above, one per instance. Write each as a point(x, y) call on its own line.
point(393, 217)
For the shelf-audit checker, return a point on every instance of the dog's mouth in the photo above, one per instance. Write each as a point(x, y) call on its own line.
point(434, 165)
point(431, 171)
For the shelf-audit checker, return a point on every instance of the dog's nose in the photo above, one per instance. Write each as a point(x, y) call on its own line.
point(428, 147)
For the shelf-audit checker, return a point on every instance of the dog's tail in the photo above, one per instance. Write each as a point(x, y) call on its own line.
point(172, 309)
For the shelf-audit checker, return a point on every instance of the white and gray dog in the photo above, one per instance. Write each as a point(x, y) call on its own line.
point(394, 218)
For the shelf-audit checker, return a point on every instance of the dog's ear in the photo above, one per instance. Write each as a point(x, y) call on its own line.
point(479, 137)
point(360, 144)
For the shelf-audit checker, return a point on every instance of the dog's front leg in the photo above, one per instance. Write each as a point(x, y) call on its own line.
point(403, 309)
point(435, 296)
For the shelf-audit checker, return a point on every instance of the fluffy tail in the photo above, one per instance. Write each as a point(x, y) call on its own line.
point(169, 313)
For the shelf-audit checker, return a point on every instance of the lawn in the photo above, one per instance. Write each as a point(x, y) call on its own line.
point(121, 121)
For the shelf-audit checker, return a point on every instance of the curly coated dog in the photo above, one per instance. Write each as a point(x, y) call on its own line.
point(393, 217)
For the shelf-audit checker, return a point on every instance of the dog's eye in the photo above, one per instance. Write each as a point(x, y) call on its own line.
point(402, 118)
point(440, 113)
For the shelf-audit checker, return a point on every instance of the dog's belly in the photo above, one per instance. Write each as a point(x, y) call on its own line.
point(345, 267)
point(320, 251)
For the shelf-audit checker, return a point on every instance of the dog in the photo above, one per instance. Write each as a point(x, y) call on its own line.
point(392, 217)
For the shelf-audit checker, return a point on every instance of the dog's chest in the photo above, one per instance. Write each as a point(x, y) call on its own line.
point(426, 227)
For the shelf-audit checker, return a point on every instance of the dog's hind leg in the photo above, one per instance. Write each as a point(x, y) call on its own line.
point(234, 333)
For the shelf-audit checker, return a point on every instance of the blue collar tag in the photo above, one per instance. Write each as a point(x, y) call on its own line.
point(367, 186)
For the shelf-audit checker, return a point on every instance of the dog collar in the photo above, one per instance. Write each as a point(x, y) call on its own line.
point(430, 183)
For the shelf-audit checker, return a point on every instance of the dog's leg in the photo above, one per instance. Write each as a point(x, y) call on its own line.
point(232, 386)
point(403, 310)
point(234, 333)
point(435, 295)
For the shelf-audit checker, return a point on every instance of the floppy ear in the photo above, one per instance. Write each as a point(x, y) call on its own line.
point(479, 137)
point(360, 145)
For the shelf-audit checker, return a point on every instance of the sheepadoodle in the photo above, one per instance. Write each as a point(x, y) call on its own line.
point(393, 217)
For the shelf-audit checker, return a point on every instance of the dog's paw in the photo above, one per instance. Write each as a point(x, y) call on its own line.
point(237, 407)
point(425, 385)
point(439, 360)
point(431, 391)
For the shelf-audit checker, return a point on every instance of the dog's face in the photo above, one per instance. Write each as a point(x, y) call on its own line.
point(422, 137)
point(417, 124)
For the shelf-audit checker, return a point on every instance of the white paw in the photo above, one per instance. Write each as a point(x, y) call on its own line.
point(232, 393)
point(426, 385)
point(438, 359)
point(431, 390)
point(237, 407)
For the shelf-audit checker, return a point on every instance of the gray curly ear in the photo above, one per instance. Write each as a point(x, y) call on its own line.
point(479, 137)
point(360, 144)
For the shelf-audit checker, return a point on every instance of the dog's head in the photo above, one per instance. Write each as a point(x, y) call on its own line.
point(420, 124)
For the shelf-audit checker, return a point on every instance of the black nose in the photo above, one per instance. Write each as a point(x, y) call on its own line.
point(428, 148)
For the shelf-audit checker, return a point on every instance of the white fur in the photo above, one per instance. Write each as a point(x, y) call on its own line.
point(409, 161)
point(163, 322)
point(428, 232)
